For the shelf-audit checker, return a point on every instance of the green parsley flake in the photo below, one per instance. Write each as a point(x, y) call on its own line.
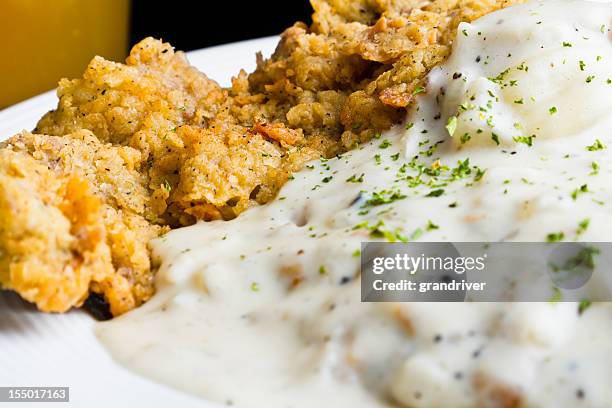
point(528, 140)
point(451, 127)
point(580, 190)
point(583, 226)
point(431, 226)
point(378, 231)
point(553, 110)
point(557, 295)
point(385, 144)
point(435, 193)
point(555, 237)
point(597, 145)
point(585, 258)
point(383, 197)
point(355, 179)
point(495, 138)
point(479, 174)
point(418, 233)
point(583, 306)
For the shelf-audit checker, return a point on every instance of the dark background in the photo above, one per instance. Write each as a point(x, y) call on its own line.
point(190, 25)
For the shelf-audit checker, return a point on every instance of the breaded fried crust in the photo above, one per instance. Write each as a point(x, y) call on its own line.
point(71, 221)
point(200, 161)
point(153, 143)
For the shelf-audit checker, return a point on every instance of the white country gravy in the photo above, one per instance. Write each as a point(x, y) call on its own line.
point(265, 311)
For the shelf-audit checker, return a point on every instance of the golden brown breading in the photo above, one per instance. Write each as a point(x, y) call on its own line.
point(180, 148)
point(155, 90)
point(140, 103)
point(326, 88)
point(220, 168)
point(194, 152)
point(354, 72)
point(71, 221)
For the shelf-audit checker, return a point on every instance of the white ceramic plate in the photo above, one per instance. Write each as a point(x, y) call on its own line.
point(61, 350)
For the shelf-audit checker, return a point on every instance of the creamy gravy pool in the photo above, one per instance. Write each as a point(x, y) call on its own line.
point(265, 311)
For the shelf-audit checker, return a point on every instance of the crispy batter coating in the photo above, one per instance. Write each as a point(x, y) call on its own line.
point(155, 89)
point(71, 221)
point(325, 89)
point(133, 148)
point(200, 161)
point(354, 72)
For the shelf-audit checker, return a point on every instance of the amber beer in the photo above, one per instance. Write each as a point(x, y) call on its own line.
point(45, 40)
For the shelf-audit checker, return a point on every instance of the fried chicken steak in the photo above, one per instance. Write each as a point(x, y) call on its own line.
point(137, 148)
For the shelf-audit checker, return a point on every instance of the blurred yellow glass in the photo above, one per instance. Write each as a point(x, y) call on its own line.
point(42, 41)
